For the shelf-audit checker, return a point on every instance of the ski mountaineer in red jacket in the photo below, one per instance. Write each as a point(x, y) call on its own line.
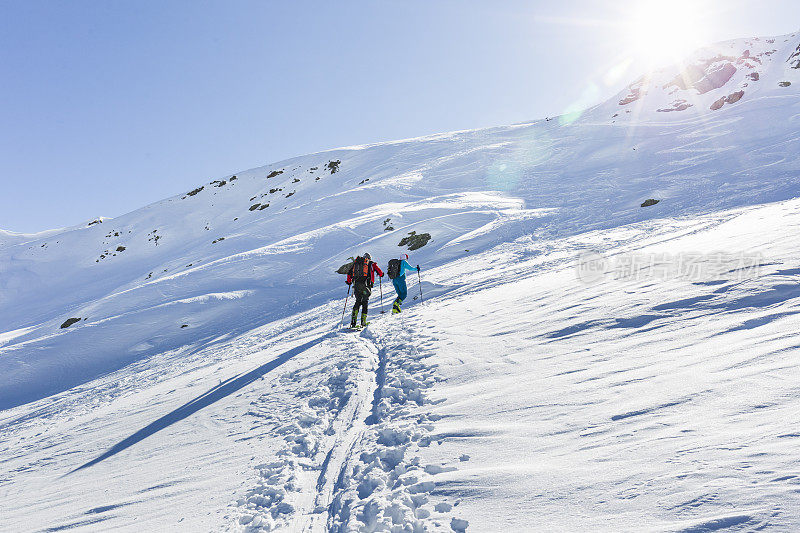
point(362, 275)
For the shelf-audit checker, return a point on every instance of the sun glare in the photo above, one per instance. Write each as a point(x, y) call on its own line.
point(665, 32)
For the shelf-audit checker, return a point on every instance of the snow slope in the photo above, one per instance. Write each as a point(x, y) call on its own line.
point(205, 385)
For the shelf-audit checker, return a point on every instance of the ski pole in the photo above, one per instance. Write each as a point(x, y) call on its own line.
point(420, 286)
point(345, 306)
point(380, 284)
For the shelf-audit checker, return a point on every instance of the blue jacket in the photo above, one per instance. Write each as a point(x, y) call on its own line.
point(405, 266)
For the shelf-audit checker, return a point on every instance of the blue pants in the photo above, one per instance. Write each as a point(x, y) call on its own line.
point(400, 287)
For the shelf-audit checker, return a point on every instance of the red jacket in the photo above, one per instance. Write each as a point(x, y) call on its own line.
point(372, 268)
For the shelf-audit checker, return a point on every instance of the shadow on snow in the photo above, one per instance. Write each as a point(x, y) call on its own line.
point(224, 389)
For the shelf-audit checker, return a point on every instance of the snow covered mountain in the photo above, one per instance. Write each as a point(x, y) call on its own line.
point(716, 76)
point(179, 367)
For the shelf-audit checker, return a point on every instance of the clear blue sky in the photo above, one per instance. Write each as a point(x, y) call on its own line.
point(106, 106)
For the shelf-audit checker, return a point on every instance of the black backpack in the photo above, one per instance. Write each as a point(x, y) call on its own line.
point(361, 269)
point(394, 268)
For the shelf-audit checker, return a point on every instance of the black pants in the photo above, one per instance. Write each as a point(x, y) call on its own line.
point(362, 293)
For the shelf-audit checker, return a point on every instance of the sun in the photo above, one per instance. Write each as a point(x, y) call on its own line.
point(665, 32)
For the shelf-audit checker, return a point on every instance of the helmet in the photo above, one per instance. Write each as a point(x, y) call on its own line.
point(405, 256)
point(367, 256)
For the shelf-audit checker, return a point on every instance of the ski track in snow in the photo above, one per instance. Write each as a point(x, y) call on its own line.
point(348, 462)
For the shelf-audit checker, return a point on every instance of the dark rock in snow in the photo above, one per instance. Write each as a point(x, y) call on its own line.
point(458, 525)
point(120, 248)
point(649, 202)
point(632, 97)
point(677, 105)
point(794, 59)
point(784, 83)
point(706, 75)
point(333, 166)
point(69, 322)
point(93, 222)
point(192, 193)
point(734, 97)
point(414, 241)
point(730, 99)
point(635, 92)
point(274, 173)
point(715, 78)
point(254, 207)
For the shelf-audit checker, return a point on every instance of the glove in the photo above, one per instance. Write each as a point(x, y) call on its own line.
point(417, 268)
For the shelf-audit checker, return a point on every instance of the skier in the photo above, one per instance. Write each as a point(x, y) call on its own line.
point(397, 273)
point(362, 275)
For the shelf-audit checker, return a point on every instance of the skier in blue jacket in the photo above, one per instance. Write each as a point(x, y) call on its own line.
point(398, 275)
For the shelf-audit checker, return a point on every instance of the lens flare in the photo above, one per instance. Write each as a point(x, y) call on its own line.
point(511, 166)
point(589, 97)
point(665, 32)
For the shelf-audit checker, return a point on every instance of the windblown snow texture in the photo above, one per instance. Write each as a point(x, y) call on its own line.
point(179, 367)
